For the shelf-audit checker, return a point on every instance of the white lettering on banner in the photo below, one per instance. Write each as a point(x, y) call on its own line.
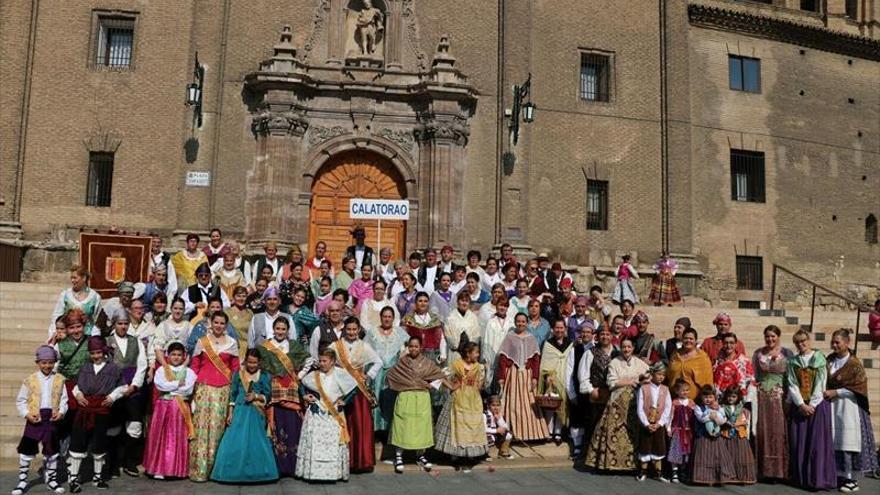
point(378, 209)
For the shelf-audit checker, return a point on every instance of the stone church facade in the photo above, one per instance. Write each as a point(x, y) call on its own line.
point(733, 134)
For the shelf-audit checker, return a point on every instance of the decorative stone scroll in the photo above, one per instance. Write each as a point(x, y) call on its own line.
point(403, 138)
point(318, 134)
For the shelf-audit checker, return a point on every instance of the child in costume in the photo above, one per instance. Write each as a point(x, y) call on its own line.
point(711, 460)
point(497, 431)
point(736, 436)
point(681, 429)
point(42, 401)
point(171, 426)
point(98, 386)
point(654, 408)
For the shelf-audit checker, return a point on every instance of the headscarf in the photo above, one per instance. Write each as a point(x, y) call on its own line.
point(125, 287)
point(46, 353)
point(640, 317)
point(271, 291)
point(657, 367)
point(684, 321)
point(97, 343)
point(75, 315)
point(722, 317)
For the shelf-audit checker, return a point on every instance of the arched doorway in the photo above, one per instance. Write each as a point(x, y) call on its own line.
point(354, 174)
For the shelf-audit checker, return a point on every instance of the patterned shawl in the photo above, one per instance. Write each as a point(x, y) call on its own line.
point(413, 373)
point(850, 376)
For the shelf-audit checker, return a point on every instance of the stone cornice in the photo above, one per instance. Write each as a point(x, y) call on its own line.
point(785, 31)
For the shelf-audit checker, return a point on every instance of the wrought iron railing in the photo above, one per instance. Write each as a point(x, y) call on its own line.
point(860, 307)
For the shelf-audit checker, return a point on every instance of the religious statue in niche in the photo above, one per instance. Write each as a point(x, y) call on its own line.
point(366, 27)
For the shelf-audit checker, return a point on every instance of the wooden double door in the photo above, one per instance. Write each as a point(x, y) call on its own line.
point(349, 175)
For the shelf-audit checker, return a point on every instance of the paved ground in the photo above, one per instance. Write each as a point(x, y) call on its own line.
point(531, 481)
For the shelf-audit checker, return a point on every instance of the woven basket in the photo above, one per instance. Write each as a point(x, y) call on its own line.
point(548, 402)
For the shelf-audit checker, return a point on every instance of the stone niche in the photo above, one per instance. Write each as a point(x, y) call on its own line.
point(339, 93)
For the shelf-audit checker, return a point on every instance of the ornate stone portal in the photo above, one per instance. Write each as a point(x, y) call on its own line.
point(361, 83)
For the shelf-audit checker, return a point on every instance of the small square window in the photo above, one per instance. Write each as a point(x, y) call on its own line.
point(113, 41)
point(747, 176)
point(810, 5)
point(745, 73)
point(597, 205)
point(749, 273)
point(595, 79)
point(100, 185)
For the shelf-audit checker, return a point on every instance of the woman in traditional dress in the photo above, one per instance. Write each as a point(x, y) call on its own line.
point(811, 456)
point(80, 296)
point(494, 332)
point(663, 288)
point(171, 428)
point(229, 277)
point(771, 440)
point(553, 379)
point(612, 447)
point(537, 325)
point(491, 275)
point(324, 296)
point(518, 371)
point(371, 308)
point(673, 344)
point(245, 452)
point(186, 261)
point(479, 295)
point(462, 326)
point(359, 359)
point(733, 369)
point(304, 320)
point(323, 446)
point(460, 430)
point(174, 329)
point(361, 290)
point(283, 359)
point(427, 326)
point(159, 312)
point(592, 377)
point(412, 377)
point(519, 301)
point(214, 360)
point(347, 275)
point(510, 275)
point(625, 290)
point(690, 364)
point(240, 315)
point(852, 434)
point(388, 340)
point(405, 301)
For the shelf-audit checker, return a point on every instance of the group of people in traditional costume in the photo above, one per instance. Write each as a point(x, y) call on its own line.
point(252, 376)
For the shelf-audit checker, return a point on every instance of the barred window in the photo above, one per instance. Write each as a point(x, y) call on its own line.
point(749, 273)
point(871, 229)
point(745, 73)
point(114, 41)
point(595, 77)
point(98, 192)
point(597, 205)
point(747, 175)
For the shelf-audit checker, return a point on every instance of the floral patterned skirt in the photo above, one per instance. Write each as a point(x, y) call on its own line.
point(209, 419)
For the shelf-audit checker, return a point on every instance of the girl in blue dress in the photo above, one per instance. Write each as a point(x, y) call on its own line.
point(245, 453)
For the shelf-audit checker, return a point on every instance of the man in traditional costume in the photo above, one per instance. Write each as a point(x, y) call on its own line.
point(196, 296)
point(359, 252)
point(329, 330)
point(127, 415)
point(262, 324)
point(712, 345)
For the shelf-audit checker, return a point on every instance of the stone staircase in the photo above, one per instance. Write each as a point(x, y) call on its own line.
point(25, 311)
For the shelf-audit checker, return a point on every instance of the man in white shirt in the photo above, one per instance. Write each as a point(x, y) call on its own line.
point(262, 324)
point(328, 331)
point(385, 268)
point(428, 274)
point(196, 296)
